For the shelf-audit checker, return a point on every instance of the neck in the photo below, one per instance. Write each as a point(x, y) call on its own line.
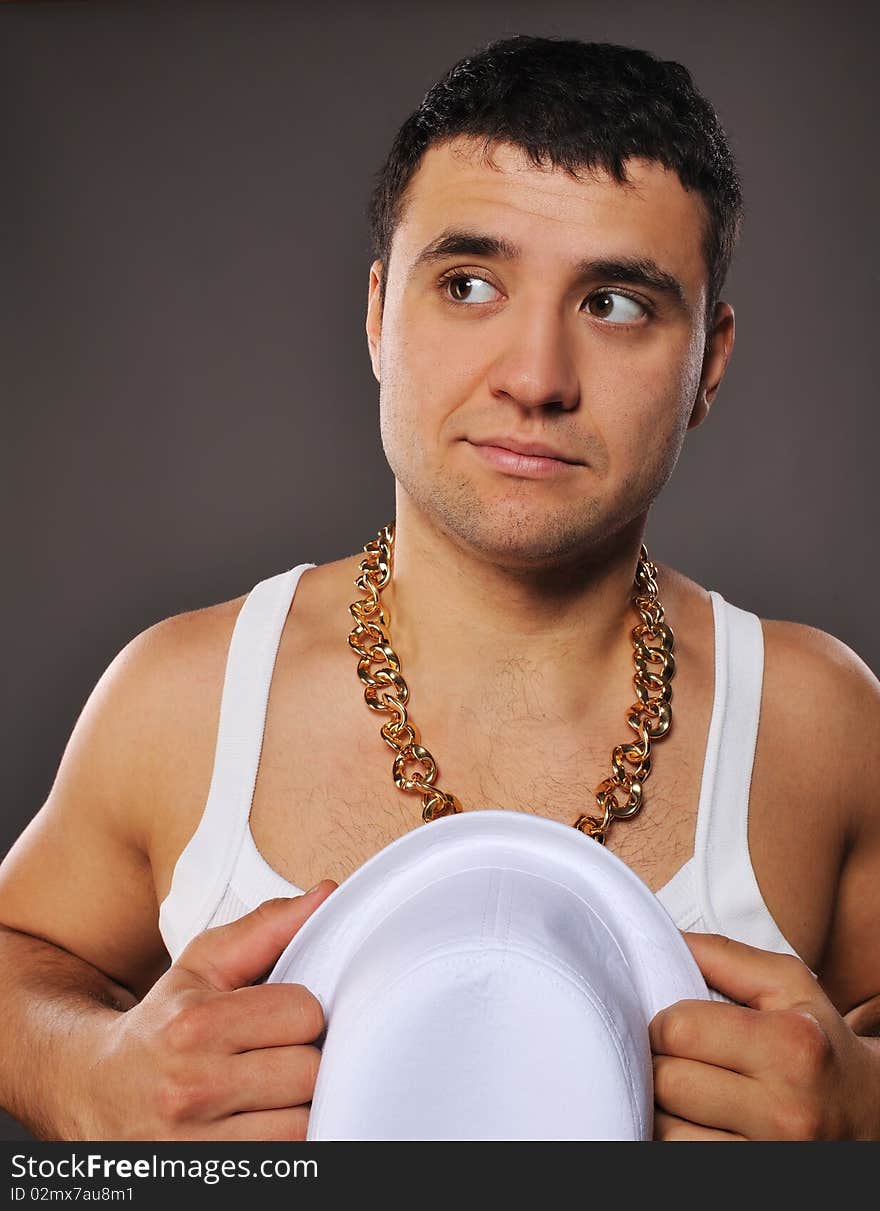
point(485, 634)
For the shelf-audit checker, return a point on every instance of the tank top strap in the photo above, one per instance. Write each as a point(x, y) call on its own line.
point(205, 865)
point(727, 890)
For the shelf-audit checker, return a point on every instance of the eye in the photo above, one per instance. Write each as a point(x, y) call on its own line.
point(616, 307)
point(459, 287)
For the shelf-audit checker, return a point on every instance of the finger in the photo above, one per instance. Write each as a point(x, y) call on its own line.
point(289, 1124)
point(261, 1015)
point(669, 1127)
point(275, 1078)
point(761, 979)
point(865, 1018)
point(703, 1094)
point(726, 1036)
point(231, 956)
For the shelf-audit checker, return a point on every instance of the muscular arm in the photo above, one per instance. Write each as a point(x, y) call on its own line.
point(793, 1057)
point(847, 718)
point(55, 1008)
point(79, 940)
point(102, 1038)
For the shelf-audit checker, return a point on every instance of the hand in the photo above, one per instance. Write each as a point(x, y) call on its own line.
point(781, 1065)
point(209, 1055)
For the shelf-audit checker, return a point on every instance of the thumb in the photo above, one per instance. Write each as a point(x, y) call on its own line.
point(234, 955)
point(761, 979)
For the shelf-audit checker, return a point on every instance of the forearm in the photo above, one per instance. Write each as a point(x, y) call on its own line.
point(56, 1010)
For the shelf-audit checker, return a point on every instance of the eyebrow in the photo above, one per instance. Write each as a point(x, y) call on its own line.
point(634, 271)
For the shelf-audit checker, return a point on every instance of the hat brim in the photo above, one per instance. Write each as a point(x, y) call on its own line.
point(489, 976)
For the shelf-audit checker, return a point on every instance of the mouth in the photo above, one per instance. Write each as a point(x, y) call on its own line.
point(526, 466)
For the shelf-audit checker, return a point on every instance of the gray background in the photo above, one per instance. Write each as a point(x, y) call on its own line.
point(187, 401)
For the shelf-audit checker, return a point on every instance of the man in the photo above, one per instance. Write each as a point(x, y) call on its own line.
point(553, 229)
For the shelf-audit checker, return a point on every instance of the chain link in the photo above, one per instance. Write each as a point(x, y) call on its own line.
point(618, 797)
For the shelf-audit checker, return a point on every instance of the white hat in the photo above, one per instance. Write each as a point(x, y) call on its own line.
point(489, 976)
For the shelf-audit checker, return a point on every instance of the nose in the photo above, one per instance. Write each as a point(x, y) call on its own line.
point(535, 365)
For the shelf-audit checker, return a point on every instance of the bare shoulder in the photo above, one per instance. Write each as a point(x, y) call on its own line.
point(178, 644)
point(823, 678)
point(829, 700)
point(823, 704)
point(82, 874)
point(168, 680)
point(814, 668)
point(132, 736)
point(820, 706)
point(817, 658)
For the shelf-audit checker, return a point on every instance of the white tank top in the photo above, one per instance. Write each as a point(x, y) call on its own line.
point(221, 875)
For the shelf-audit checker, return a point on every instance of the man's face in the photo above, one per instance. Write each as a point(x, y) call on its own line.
point(539, 341)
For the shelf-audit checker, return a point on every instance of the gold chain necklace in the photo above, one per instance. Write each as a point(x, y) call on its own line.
point(619, 797)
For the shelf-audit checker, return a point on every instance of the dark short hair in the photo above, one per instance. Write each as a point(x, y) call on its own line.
point(577, 105)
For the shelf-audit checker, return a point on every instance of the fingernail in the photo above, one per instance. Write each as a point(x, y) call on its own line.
point(315, 888)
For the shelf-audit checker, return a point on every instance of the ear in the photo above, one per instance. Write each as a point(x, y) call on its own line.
point(719, 345)
point(374, 316)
